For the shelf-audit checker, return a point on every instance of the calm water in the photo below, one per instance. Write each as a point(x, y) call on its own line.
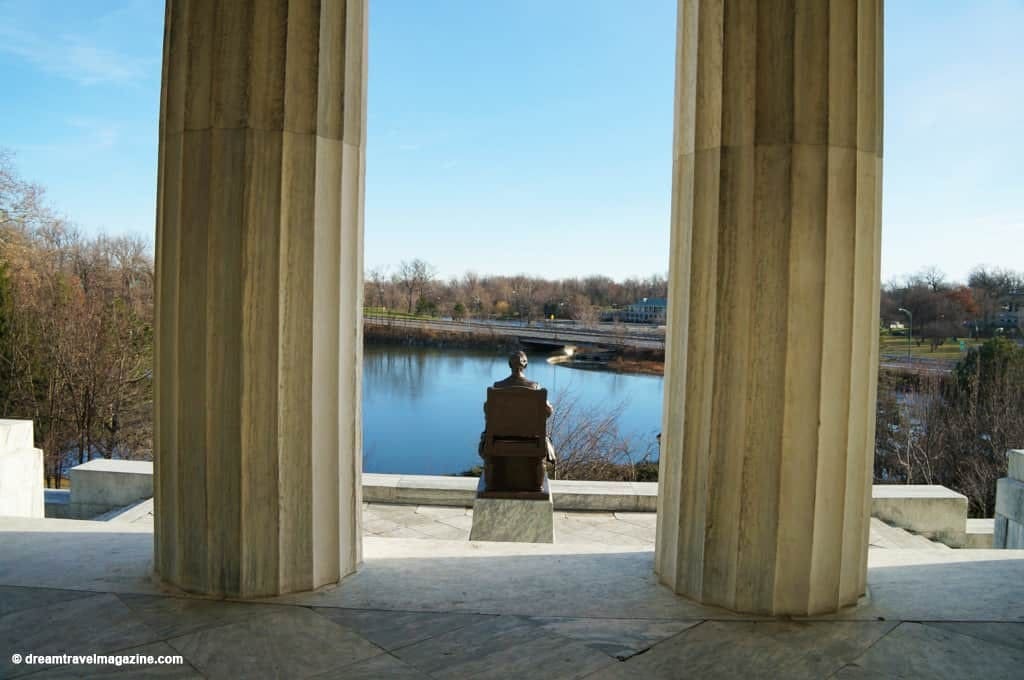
point(423, 407)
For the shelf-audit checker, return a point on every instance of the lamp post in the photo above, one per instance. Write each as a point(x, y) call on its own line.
point(910, 329)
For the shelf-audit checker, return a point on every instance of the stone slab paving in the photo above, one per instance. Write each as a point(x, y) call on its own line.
point(428, 608)
point(571, 527)
point(259, 641)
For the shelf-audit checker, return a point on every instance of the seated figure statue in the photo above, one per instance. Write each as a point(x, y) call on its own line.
point(514, 444)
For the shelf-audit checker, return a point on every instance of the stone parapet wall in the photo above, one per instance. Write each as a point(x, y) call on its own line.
point(102, 485)
point(931, 510)
point(1009, 520)
point(21, 471)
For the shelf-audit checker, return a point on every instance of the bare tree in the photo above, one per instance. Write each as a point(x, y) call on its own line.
point(413, 276)
point(376, 281)
point(76, 341)
point(589, 444)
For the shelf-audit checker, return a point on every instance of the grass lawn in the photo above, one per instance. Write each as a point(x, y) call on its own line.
point(393, 314)
point(891, 344)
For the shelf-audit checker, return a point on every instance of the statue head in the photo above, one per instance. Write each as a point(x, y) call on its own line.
point(517, 362)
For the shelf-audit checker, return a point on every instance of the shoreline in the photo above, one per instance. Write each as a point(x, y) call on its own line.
point(374, 334)
point(619, 364)
point(632, 362)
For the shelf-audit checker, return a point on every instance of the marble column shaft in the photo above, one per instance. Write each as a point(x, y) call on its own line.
point(259, 295)
point(772, 351)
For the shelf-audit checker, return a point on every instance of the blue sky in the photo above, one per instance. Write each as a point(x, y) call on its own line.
point(532, 136)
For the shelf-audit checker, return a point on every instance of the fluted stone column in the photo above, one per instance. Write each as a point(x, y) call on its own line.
point(772, 354)
point(259, 294)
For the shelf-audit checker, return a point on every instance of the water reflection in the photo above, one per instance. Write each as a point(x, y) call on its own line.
point(423, 407)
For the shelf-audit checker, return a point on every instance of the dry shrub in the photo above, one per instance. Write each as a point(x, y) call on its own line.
point(590, 445)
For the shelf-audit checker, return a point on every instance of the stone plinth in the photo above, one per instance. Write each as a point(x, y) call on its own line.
point(21, 471)
point(102, 485)
point(513, 519)
point(259, 282)
point(931, 510)
point(1009, 519)
point(772, 341)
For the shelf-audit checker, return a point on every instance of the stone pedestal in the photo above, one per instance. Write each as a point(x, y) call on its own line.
point(514, 517)
point(102, 485)
point(259, 265)
point(772, 346)
point(21, 471)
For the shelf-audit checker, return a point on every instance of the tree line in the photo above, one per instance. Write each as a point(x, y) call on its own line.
point(413, 287)
point(76, 338)
point(990, 302)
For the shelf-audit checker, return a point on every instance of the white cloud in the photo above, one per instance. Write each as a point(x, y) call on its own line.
point(98, 134)
point(71, 57)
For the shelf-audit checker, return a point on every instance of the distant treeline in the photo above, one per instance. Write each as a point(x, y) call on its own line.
point(414, 288)
point(990, 303)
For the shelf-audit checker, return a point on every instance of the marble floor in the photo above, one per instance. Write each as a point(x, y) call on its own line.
point(448, 608)
point(571, 527)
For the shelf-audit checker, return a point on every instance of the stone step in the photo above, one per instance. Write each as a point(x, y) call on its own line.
point(893, 538)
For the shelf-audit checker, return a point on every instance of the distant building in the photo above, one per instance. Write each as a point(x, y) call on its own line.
point(646, 310)
point(1011, 310)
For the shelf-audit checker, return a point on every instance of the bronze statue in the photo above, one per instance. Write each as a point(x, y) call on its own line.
point(517, 362)
point(514, 443)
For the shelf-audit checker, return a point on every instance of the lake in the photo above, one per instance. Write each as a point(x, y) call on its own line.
point(423, 407)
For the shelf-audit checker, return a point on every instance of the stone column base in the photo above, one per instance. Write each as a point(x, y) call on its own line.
point(512, 519)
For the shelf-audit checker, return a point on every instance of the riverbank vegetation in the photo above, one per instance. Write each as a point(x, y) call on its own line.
point(387, 334)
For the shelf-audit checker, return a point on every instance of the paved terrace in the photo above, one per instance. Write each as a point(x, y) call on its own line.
point(430, 604)
point(612, 529)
